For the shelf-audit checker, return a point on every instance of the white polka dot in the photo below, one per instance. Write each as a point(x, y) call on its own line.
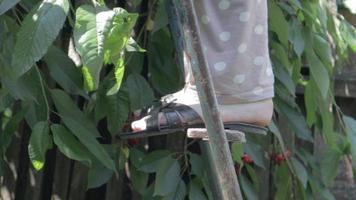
point(220, 66)
point(259, 60)
point(240, 78)
point(257, 91)
point(269, 71)
point(242, 48)
point(244, 16)
point(205, 19)
point(224, 4)
point(224, 36)
point(258, 29)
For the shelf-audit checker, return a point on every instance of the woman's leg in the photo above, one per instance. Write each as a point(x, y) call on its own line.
point(235, 42)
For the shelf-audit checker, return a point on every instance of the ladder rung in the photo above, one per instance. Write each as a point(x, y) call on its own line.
point(202, 133)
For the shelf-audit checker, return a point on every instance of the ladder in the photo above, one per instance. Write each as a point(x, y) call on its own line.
point(215, 147)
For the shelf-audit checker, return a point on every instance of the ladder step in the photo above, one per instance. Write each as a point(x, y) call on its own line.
point(202, 133)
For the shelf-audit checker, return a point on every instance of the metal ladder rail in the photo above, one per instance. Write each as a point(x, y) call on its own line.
point(218, 148)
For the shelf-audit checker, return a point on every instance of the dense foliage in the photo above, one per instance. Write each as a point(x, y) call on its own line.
point(128, 59)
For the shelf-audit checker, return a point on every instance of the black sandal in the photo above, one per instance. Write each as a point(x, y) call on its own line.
point(179, 118)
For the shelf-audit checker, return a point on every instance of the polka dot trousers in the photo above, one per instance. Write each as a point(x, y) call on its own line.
point(235, 42)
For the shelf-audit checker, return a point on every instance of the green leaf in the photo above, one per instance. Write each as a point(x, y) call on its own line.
point(280, 53)
point(136, 157)
point(5, 100)
point(39, 142)
point(140, 91)
point(320, 191)
point(148, 194)
point(283, 183)
point(165, 75)
point(132, 46)
point(153, 161)
point(302, 173)
point(277, 22)
point(317, 70)
point(196, 164)
point(323, 50)
point(101, 33)
point(64, 72)
point(256, 153)
point(89, 41)
point(296, 37)
point(348, 33)
point(167, 177)
point(118, 107)
point(350, 125)
point(295, 119)
point(81, 127)
point(179, 193)
point(275, 130)
point(329, 165)
point(247, 188)
point(285, 78)
point(119, 74)
point(160, 19)
point(195, 192)
point(11, 127)
point(70, 146)
point(139, 180)
point(253, 176)
point(118, 34)
point(310, 102)
point(237, 150)
point(327, 117)
point(39, 29)
point(7, 4)
point(98, 175)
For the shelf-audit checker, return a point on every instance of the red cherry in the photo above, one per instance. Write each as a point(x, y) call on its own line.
point(279, 159)
point(246, 159)
point(134, 141)
point(126, 126)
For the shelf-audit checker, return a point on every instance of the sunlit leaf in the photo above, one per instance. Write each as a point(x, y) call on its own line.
point(100, 35)
point(119, 74)
point(37, 32)
point(38, 144)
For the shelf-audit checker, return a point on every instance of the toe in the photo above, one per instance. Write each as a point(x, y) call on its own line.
point(139, 125)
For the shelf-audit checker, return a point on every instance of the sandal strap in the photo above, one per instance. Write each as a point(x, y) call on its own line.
point(177, 116)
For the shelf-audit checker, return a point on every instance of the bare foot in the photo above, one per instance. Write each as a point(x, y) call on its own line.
point(258, 113)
